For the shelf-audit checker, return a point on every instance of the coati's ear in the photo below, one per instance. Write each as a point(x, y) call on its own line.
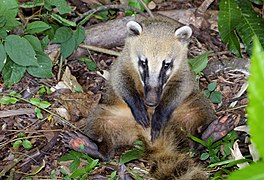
point(134, 28)
point(183, 33)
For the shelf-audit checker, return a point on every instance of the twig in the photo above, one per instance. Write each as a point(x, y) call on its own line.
point(60, 68)
point(106, 7)
point(98, 49)
point(146, 8)
point(204, 6)
point(232, 109)
point(16, 112)
point(33, 131)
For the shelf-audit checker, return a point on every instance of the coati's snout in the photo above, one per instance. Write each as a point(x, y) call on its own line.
point(152, 95)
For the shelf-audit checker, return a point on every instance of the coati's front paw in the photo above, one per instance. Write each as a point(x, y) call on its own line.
point(141, 116)
point(155, 129)
point(74, 140)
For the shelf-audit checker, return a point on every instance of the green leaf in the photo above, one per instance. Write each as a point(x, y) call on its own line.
point(68, 47)
point(207, 92)
point(44, 104)
point(12, 73)
point(79, 35)
point(204, 156)
point(131, 155)
point(44, 42)
point(78, 173)
point(199, 63)
point(37, 27)
point(27, 144)
point(8, 13)
point(252, 172)
point(44, 70)
point(74, 165)
point(21, 135)
point(33, 4)
point(256, 98)
point(17, 144)
point(72, 155)
point(20, 51)
point(35, 101)
point(61, 5)
point(38, 113)
point(216, 97)
point(229, 162)
point(62, 20)
point(112, 176)
point(228, 19)
point(196, 139)
point(211, 86)
point(62, 34)
point(251, 24)
point(91, 165)
point(15, 94)
point(91, 65)
point(8, 100)
point(2, 57)
point(35, 43)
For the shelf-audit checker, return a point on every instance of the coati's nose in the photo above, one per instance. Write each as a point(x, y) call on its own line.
point(152, 96)
point(151, 104)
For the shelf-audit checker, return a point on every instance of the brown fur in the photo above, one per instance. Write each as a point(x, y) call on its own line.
point(112, 123)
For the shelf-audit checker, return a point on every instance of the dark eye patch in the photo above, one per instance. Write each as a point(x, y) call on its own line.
point(166, 65)
point(143, 63)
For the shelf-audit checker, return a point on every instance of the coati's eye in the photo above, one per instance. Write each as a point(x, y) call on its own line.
point(143, 63)
point(167, 65)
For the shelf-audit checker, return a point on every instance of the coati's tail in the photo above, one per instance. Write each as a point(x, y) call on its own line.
point(169, 163)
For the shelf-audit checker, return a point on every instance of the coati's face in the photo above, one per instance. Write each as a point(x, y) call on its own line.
point(157, 55)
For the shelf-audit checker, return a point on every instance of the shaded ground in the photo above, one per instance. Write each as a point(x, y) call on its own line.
point(43, 134)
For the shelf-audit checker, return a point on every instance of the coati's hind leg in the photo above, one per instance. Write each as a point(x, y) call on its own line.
point(111, 127)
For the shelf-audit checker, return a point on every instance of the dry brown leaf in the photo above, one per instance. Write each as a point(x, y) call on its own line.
point(79, 105)
point(63, 113)
point(70, 81)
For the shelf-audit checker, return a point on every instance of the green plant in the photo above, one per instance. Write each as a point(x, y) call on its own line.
point(44, 90)
point(13, 97)
point(238, 22)
point(199, 63)
point(21, 49)
point(255, 114)
point(134, 153)
point(77, 157)
point(215, 96)
point(91, 65)
point(136, 4)
point(22, 142)
point(218, 154)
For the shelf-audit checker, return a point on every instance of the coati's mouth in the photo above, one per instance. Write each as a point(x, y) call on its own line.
point(152, 96)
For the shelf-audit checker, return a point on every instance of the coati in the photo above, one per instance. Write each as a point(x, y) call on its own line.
point(152, 95)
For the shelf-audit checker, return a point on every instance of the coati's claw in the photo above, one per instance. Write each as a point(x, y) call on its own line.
point(74, 140)
point(142, 118)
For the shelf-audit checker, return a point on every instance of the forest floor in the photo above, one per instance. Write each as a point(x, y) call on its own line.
point(41, 161)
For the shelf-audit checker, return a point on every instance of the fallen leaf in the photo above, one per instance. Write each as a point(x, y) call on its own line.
point(236, 154)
